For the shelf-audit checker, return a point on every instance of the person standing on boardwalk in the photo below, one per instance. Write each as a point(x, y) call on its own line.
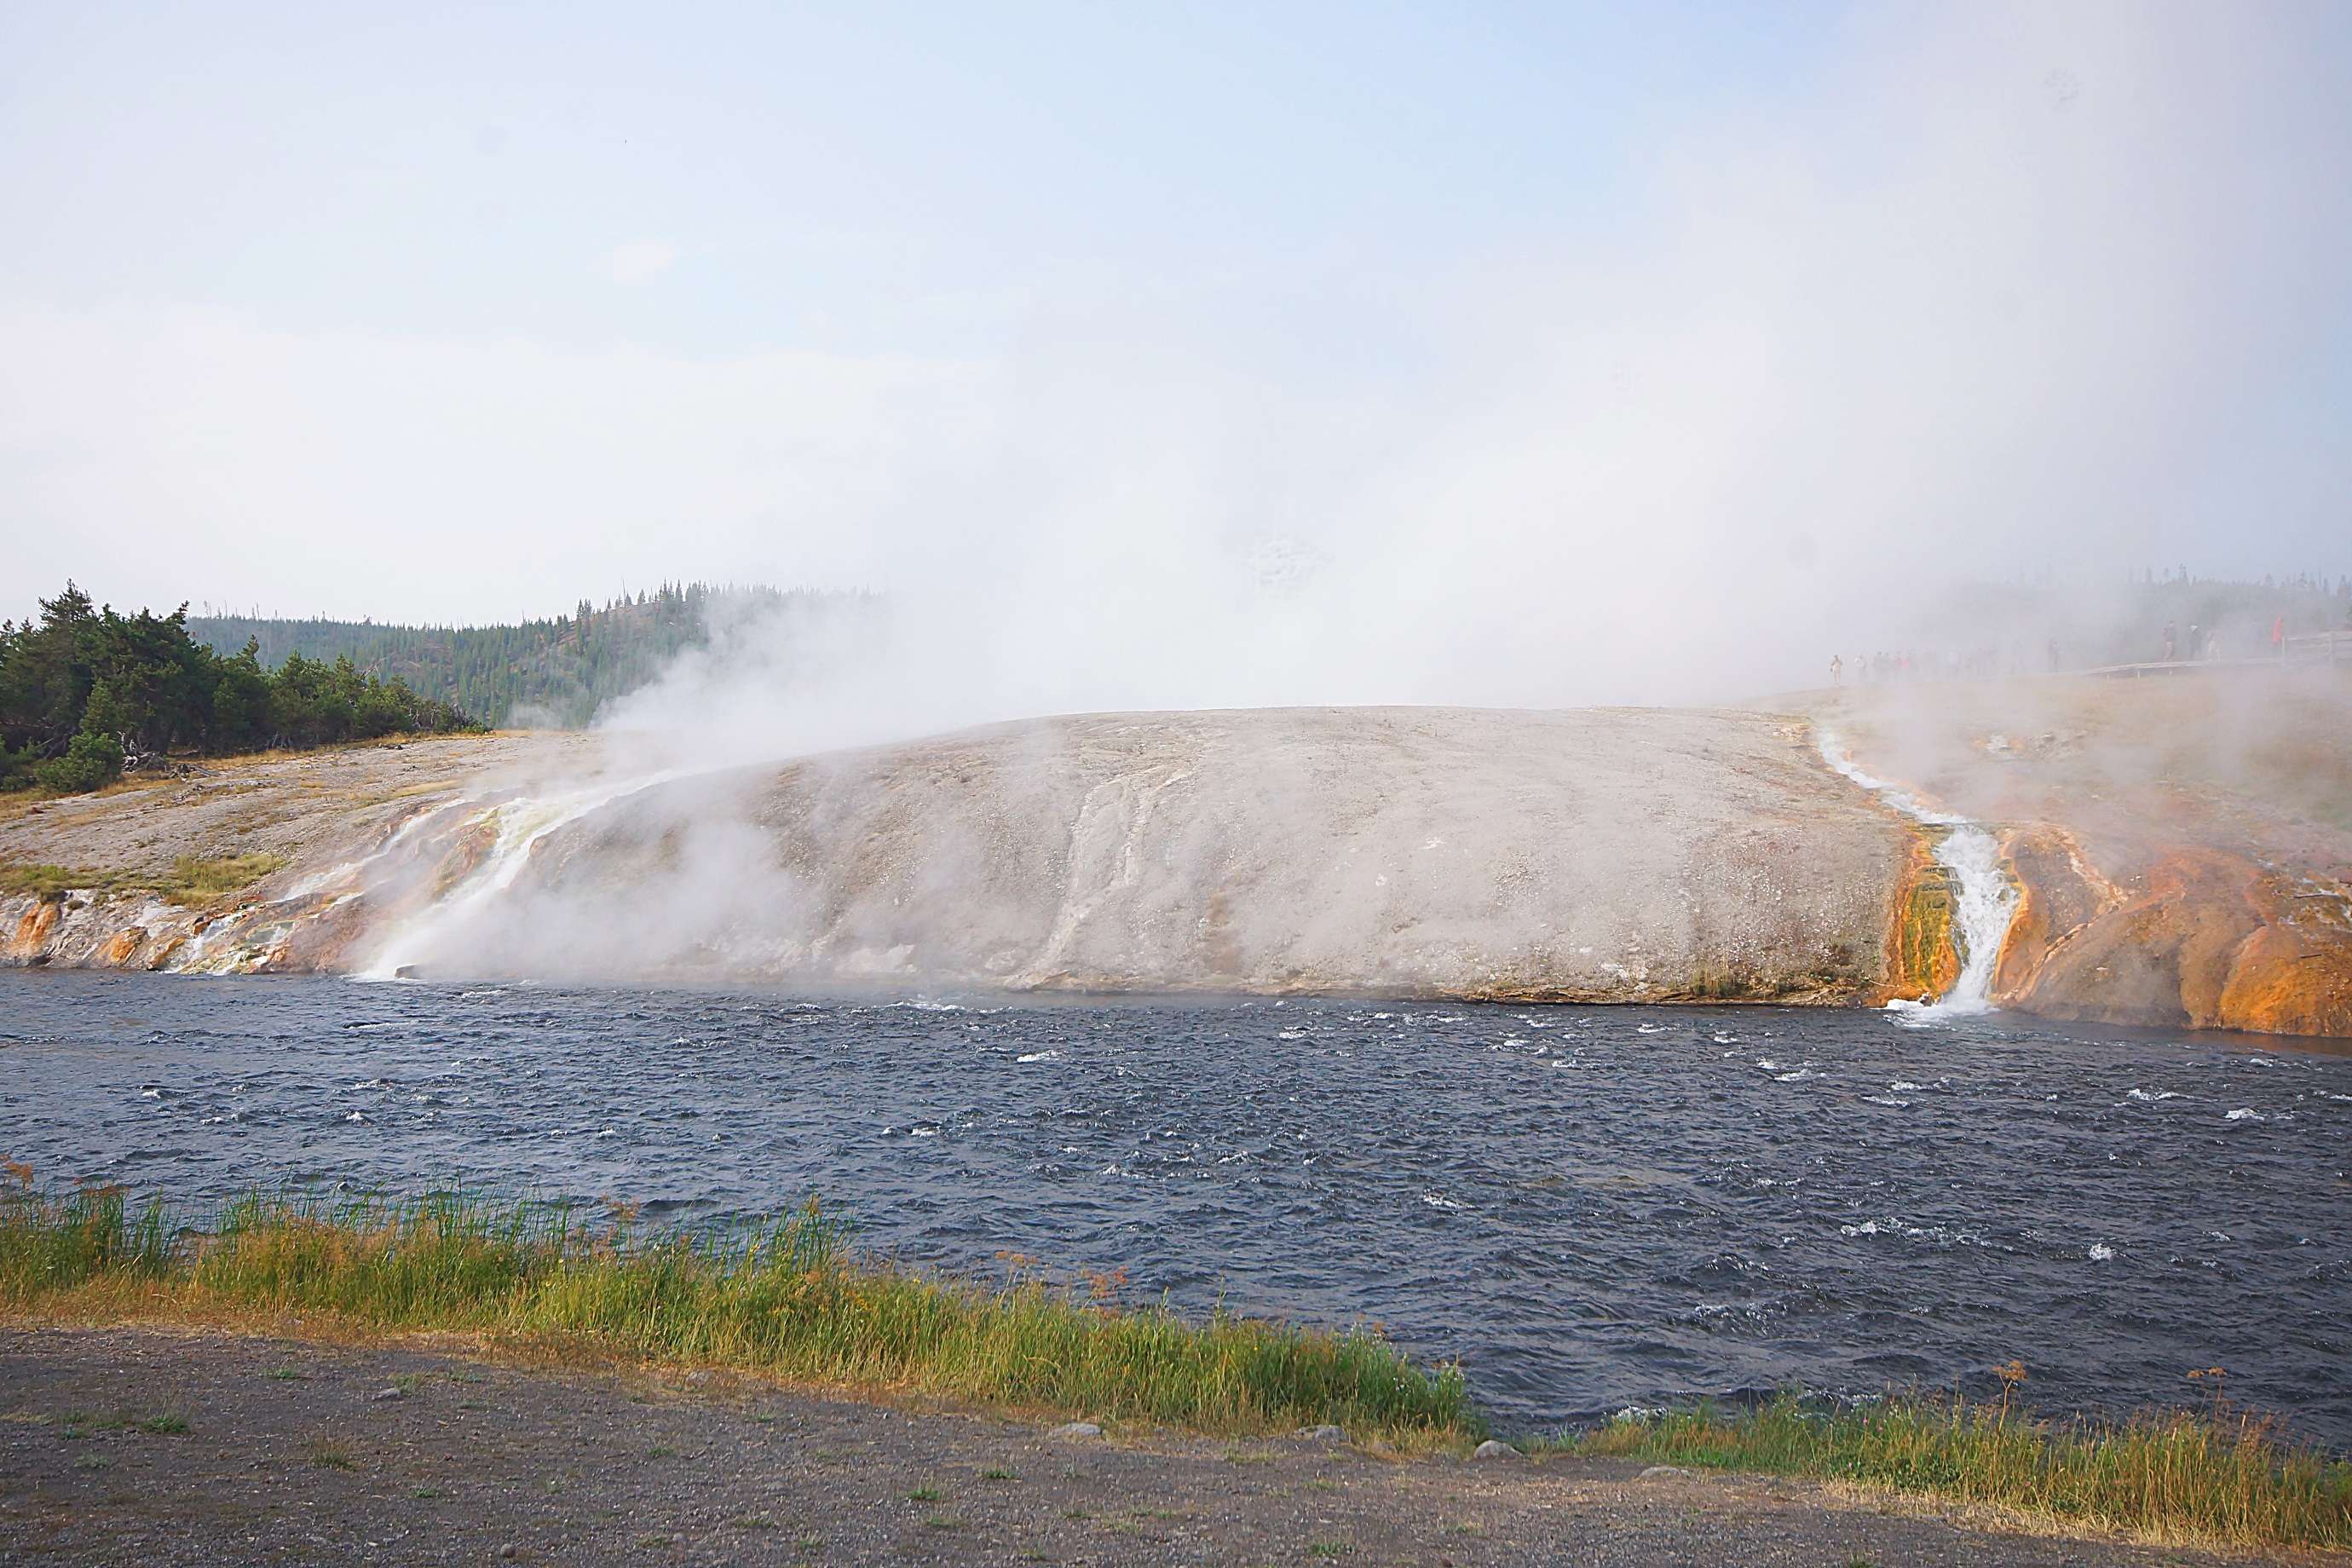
point(1837, 670)
point(2169, 639)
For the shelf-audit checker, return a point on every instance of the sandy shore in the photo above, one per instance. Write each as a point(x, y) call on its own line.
point(291, 1453)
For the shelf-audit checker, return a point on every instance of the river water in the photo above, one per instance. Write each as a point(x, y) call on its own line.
point(1590, 1208)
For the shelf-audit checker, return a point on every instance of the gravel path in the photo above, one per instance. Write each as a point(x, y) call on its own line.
point(150, 1446)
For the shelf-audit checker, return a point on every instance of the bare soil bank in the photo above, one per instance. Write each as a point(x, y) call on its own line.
point(290, 1453)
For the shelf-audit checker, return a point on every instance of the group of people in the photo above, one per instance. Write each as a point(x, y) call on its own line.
point(1974, 665)
point(2200, 643)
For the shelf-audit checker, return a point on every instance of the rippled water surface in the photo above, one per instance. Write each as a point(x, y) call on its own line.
point(1591, 1208)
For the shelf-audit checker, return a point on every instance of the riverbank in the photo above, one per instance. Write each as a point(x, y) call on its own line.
point(201, 1446)
point(2181, 853)
point(1626, 856)
point(788, 1306)
point(786, 1298)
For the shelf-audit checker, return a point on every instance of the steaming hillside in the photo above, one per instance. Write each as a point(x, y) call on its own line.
point(1628, 855)
point(2174, 847)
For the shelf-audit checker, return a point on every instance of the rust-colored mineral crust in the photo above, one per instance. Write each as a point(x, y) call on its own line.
point(2059, 891)
point(1922, 960)
point(2200, 939)
point(31, 940)
point(2182, 849)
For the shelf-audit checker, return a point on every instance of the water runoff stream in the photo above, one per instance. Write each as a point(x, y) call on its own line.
point(1983, 903)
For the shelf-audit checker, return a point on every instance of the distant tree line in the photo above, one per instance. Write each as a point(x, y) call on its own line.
point(84, 690)
point(556, 672)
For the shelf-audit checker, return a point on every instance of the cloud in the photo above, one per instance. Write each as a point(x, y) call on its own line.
point(1945, 321)
point(198, 455)
point(635, 262)
point(1996, 289)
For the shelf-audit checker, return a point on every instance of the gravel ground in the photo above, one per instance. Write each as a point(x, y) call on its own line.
point(149, 1447)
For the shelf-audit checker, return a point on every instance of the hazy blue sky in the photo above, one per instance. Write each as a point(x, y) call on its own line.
point(849, 178)
point(468, 313)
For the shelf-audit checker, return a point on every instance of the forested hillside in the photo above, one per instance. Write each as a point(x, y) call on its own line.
point(552, 672)
point(86, 691)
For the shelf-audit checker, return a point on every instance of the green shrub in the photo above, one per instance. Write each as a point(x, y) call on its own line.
point(91, 762)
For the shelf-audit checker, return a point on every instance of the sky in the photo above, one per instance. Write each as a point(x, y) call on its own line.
point(1166, 356)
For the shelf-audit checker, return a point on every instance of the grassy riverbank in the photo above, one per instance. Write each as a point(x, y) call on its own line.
point(2205, 1476)
point(789, 1299)
point(792, 1301)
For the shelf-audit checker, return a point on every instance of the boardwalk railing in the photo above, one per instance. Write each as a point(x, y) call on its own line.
point(2328, 649)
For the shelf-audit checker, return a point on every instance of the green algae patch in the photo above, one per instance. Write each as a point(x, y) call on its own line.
point(49, 884)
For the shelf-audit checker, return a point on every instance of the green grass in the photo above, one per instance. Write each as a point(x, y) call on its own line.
point(202, 880)
point(2211, 1476)
point(194, 879)
point(50, 1243)
point(790, 1299)
point(787, 1297)
point(47, 883)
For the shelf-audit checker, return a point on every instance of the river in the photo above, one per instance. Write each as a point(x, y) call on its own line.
point(1591, 1208)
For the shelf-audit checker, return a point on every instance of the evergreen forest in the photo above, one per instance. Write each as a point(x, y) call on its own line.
point(549, 673)
point(85, 692)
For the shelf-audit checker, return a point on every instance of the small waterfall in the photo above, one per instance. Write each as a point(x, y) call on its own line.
point(521, 823)
point(1984, 902)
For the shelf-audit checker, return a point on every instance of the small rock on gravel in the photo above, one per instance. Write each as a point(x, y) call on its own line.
point(1491, 1449)
point(1323, 1433)
point(387, 1393)
point(1076, 1429)
point(1667, 1470)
